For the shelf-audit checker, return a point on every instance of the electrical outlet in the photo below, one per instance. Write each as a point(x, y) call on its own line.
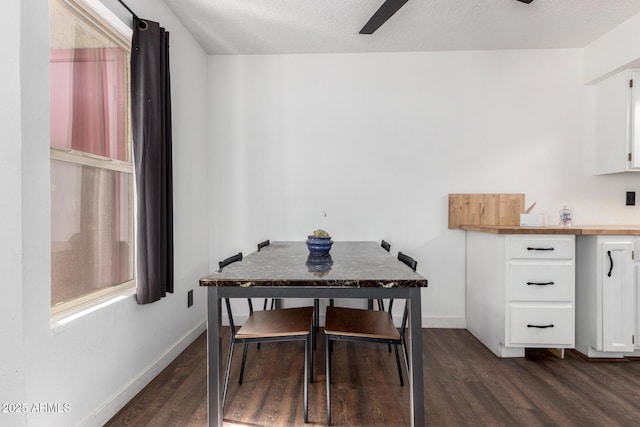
point(190, 298)
point(631, 198)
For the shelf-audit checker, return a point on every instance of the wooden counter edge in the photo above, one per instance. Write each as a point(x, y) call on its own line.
point(620, 230)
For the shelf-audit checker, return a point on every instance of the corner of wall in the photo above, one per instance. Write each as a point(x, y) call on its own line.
point(613, 52)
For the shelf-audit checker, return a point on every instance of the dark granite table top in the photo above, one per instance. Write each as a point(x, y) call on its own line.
point(350, 264)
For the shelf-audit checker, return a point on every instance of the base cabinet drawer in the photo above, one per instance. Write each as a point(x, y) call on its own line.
point(541, 325)
point(541, 282)
point(542, 248)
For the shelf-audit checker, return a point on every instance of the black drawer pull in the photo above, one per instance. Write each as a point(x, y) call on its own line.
point(540, 249)
point(540, 326)
point(611, 265)
point(541, 283)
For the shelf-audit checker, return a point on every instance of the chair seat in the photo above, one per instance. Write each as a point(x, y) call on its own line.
point(354, 322)
point(277, 323)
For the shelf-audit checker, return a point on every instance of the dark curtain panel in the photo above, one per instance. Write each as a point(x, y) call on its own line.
point(151, 123)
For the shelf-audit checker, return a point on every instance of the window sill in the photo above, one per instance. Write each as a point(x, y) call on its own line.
point(78, 312)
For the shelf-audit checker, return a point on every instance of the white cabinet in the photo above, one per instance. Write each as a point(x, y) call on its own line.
point(618, 123)
point(637, 280)
point(605, 296)
point(521, 291)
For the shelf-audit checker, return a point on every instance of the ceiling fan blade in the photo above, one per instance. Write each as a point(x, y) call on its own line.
point(386, 11)
point(525, 1)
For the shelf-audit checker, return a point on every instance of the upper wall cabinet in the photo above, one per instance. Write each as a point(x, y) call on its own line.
point(618, 124)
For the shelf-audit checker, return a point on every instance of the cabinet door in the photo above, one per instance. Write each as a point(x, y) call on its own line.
point(618, 296)
point(637, 331)
point(637, 280)
point(634, 114)
point(615, 119)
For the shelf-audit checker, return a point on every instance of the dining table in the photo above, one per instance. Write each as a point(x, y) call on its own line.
point(352, 269)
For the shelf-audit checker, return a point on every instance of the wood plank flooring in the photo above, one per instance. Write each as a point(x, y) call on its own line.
point(465, 385)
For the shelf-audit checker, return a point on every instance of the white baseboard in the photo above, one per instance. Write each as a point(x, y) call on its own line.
point(118, 400)
point(444, 322)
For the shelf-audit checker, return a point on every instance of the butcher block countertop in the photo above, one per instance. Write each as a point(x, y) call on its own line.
point(627, 230)
point(620, 230)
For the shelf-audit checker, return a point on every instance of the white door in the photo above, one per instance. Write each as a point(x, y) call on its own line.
point(618, 296)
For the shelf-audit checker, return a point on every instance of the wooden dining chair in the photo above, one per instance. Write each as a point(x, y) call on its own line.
point(353, 324)
point(406, 259)
point(277, 325)
point(263, 244)
point(235, 258)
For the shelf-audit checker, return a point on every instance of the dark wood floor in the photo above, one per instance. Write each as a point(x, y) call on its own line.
point(466, 385)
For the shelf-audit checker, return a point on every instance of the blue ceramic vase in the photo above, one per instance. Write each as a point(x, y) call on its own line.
point(319, 246)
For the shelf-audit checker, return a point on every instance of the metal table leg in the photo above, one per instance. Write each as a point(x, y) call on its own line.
point(415, 351)
point(214, 358)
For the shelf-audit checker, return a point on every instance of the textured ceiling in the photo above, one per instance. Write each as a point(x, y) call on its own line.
point(326, 26)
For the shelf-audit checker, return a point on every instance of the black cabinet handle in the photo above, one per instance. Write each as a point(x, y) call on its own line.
point(540, 326)
point(539, 249)
point(611, 265)
point(541, 283)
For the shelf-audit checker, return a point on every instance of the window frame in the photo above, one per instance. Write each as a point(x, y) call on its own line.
point(108, 23)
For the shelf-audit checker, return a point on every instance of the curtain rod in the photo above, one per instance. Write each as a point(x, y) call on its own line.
point(128, 8)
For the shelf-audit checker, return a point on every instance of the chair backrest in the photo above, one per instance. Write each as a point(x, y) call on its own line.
point(237, 257)
point(412, 263)
point(386, 246)
point(222, 264)
point(263, 245)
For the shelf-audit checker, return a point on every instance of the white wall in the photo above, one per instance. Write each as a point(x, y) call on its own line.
point(12, 369)
point(378, 141)
point(97, 363)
